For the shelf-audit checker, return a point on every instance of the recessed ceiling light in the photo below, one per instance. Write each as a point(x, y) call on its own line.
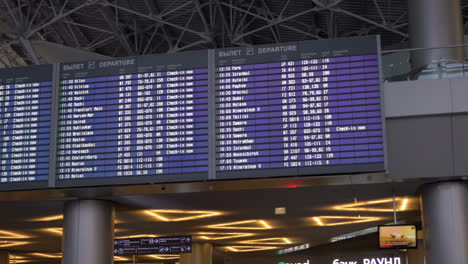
point(243, 225)
point(54, 230)
point(343, 220)
point(164, 257)
point(4, 234)
point(47, 255)
point(401, 205)
point(241, 249)
point(138, 236)
point(6, 244)
point(119, 258)
point(48, 218)
point(175, 215)
point(268, 241)
point(221, 236)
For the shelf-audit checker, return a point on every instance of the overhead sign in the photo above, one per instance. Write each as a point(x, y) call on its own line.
point(153, 245)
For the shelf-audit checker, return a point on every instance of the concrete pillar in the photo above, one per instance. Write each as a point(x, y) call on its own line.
point(416, 256)
point(445, 222)
point(202, 253)
point(4, 257)
point(88, 232)
point(435, 23)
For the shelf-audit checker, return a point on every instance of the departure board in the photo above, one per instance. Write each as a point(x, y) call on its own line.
point(25, 121)
point(302, 108)
point(140, 119)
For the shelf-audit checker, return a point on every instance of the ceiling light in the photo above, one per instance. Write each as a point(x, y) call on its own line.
point(167, 215)
point(54, 230)
point(138, 236)
point(268, 241)
point(364, 206)
point(221, 236)
point(5, 244)
point(241, 249)
point(48, 218)
point(243, 225)
point(164, 257)
point(118, 258)
point(13, 261)
point(11, 235)
point(47, 255)
point(345, 220)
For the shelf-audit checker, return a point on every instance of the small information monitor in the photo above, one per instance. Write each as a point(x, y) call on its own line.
point(25, 126)
point(304, 108)
point(398, 237)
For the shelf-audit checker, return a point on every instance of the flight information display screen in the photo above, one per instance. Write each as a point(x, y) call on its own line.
point(141, 119)
point(302, 108)
point(25, 122)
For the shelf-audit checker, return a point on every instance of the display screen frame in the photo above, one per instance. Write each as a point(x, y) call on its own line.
point(380, 227)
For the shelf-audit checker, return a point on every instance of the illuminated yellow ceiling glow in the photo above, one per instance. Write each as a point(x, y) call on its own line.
point(12, 261)
point(268, 241)
point(168, 215)
point(251, 225)
point(164, 257)
point(5, 244)
point(54, 230)
point(117, 258)
point(345, 220)
point(47, 255)
point(249, 248)
point(11, 235)
point(48, 218)
point(401, 205)
point(221, 236)
point(138, 236)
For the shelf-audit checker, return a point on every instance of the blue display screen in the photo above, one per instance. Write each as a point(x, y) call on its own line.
point(145, 123)
point(304, 111)
point(25, 122)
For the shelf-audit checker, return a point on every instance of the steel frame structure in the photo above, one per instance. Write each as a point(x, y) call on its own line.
point(138, 27)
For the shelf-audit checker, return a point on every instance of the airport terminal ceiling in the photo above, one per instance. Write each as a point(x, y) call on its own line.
point(234, 221)
point(43, 31)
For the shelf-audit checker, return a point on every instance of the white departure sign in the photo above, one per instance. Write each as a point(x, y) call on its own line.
point(25, 122)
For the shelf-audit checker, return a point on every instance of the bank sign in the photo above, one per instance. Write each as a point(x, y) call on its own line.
point(391, 260)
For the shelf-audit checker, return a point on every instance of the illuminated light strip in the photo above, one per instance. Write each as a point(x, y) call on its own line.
point(265, 224)
point(44, 255)
point(318, 221)
point(4, 244)
point(138, 236)
point(221, 236)
point(198, 214)
point(11, 235)
point(249, 248)
point(54, 230)
point(353, 220)
point(117, 258)
point(356, 206)
point(268, 241)
point(404, 204)
point(232, 225)
point(164, 257)
point(48, 218)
